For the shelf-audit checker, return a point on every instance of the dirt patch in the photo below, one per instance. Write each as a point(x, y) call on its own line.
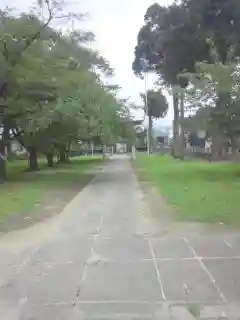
point(53, 203)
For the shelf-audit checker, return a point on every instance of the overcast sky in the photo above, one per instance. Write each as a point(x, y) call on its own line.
point(116, 24)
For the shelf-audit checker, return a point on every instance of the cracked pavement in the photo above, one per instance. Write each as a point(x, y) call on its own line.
point(104, 257)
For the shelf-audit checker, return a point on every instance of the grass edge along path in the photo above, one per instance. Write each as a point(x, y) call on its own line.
point(25, 190)
point(198, 191)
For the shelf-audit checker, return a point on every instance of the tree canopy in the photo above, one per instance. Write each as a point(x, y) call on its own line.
point(156, 106)
point(51, 88)
point(200, 38)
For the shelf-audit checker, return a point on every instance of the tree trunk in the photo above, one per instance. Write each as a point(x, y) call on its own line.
point(32, 161)
point(68, 150)
point(175, 148)
point(150, 134)
point(217, 134)
point(216, 147)
point(3, 172)
point(235, 148)
point(62, 154)
point(9, 147)
point(182, 138)
point(104, 152)
point(49, 156)
point(3, 146)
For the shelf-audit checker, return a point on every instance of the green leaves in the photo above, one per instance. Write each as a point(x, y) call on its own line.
point(157, 105)
point(215, 91)
point(169, 42)
point(54, 92)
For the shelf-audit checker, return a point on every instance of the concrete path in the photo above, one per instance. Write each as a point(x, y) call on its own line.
point(108, 257)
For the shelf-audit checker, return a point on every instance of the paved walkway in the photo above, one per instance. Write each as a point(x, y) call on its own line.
point(107, 257)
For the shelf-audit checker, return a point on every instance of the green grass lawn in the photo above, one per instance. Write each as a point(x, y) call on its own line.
point(24, 189)
point(200, 191)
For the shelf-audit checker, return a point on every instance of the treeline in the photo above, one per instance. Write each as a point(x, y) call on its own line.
point(51, 93)
point(194, 48)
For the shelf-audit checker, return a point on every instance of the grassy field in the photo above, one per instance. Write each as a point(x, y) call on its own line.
point(200, 191)
point(24, 189)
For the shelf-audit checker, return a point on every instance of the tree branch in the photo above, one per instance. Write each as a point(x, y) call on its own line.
point(29, 41)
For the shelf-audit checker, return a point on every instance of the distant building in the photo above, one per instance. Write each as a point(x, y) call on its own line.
point(141, 140)
point(121, 147)
point(161, 136)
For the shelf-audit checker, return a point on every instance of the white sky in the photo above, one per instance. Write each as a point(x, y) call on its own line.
point(116, 24)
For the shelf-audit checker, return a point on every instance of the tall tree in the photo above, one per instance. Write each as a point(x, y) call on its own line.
point(217, 86)
point(17, 35)
point(217, 20)
point(156, 106)
point(170, 43)
point(54, 94)
point(175, 38)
